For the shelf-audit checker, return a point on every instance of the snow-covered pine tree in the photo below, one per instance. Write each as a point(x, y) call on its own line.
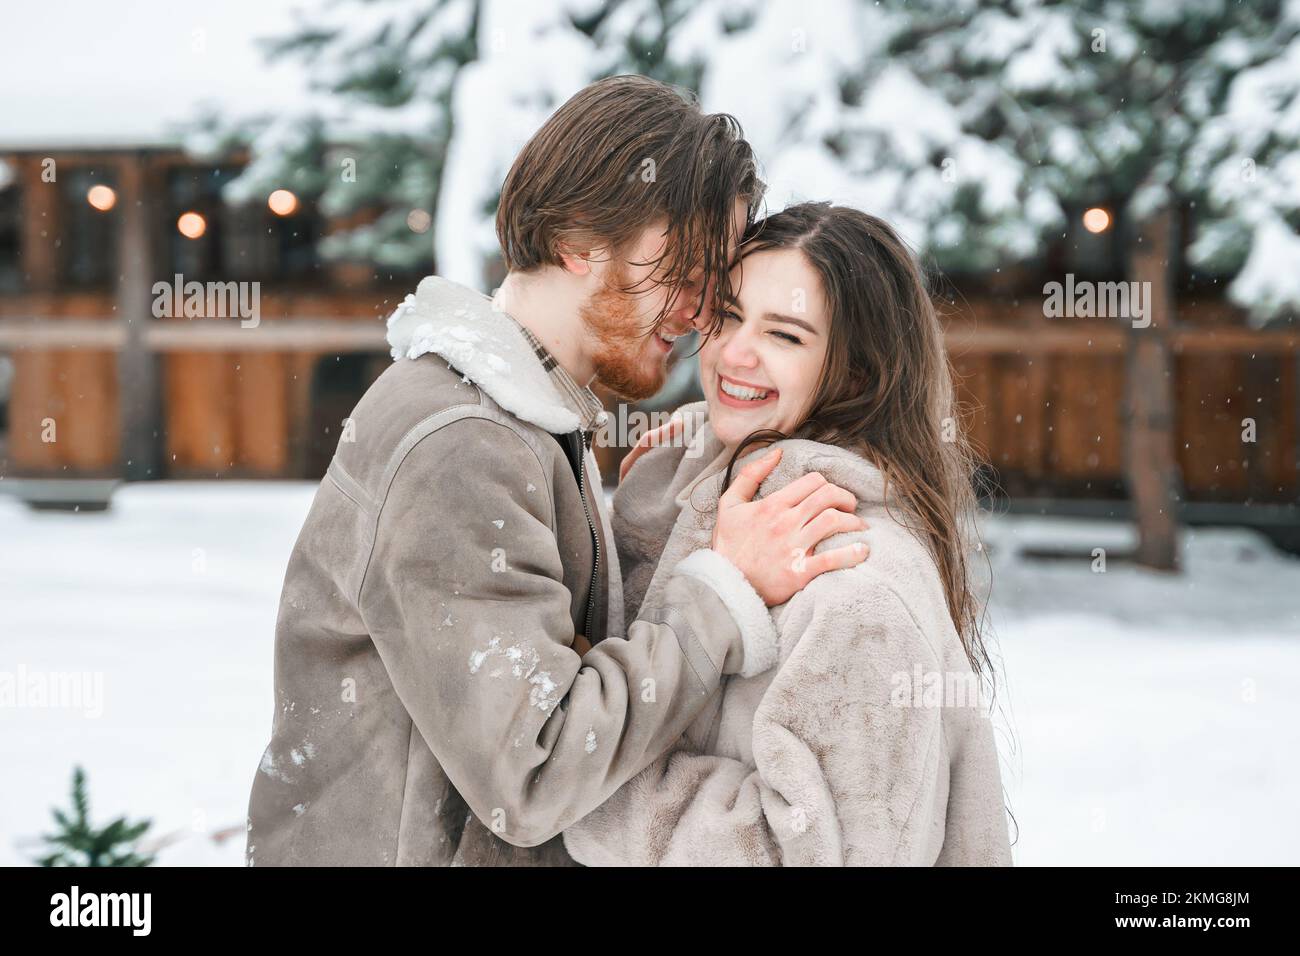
point(422, 105)
point(974, 125)
point(967, 124)
point(374, 136)
point(971, 125)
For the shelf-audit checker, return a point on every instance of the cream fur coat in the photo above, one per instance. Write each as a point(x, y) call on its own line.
point(869, 742)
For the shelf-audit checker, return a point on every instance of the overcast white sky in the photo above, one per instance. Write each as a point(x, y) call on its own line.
point(97, 73)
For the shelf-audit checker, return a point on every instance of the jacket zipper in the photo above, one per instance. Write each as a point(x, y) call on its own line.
point(595, 538)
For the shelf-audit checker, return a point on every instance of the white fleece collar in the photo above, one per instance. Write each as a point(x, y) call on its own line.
point(484, 344)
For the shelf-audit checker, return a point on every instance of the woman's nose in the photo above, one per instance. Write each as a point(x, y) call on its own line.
point(738, 351)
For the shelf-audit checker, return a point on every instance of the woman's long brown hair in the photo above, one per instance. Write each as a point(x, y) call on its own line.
point(886, 388)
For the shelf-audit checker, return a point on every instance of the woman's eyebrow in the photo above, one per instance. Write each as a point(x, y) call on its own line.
point(789, 320)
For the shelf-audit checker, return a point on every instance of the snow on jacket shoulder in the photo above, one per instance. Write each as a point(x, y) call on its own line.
point(869, 743)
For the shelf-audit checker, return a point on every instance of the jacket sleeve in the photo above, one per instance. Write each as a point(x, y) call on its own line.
point(465, 601)
point(846, 771)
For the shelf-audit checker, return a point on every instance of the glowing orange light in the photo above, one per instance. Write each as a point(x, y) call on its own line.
point(191, 225)
point(1096, 219)
point(282, 202)
point(102, 198)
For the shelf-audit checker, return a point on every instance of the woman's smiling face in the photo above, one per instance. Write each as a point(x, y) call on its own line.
point(762, 368)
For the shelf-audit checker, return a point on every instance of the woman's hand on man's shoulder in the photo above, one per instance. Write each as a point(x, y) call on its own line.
point(664, 434)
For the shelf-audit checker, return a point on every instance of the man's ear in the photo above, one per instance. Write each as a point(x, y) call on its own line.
point(578, 263)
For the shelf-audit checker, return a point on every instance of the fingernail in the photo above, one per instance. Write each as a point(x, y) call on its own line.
point(859, 547)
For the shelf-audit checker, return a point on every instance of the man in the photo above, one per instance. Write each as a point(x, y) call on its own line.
point(432, 706)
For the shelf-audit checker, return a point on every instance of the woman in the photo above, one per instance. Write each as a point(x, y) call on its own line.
point(868, 742)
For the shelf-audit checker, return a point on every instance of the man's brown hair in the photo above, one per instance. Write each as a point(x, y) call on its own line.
point(620, 154)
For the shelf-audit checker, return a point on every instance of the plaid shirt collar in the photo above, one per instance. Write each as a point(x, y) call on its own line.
point(580, 399)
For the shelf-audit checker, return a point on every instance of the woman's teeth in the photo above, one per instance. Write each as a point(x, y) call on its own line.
point(741, 392)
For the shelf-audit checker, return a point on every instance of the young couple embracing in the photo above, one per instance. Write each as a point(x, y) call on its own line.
point(478, 663)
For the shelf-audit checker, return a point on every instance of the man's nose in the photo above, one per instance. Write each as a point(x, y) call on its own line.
point(681, 319)
point(692, 307)
point(685, 317)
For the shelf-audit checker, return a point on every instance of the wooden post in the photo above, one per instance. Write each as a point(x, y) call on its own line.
point(35, 387)
point(137, 368)
point(1150, 461)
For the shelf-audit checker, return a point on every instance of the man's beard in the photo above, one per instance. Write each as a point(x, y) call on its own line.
point(620, 358)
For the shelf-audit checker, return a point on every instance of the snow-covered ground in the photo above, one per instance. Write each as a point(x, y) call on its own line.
point(1152, 718)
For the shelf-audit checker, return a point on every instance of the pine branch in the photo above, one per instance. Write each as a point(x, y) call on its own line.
point(76, 842)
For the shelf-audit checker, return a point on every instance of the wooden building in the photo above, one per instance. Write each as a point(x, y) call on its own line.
point(172, 397)
point(92, 384)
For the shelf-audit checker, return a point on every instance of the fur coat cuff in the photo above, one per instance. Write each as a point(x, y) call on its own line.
point(757, 632)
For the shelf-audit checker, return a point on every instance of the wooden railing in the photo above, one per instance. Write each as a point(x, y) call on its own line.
point(197, 335)
point(310, 334)
point(1045, 401)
